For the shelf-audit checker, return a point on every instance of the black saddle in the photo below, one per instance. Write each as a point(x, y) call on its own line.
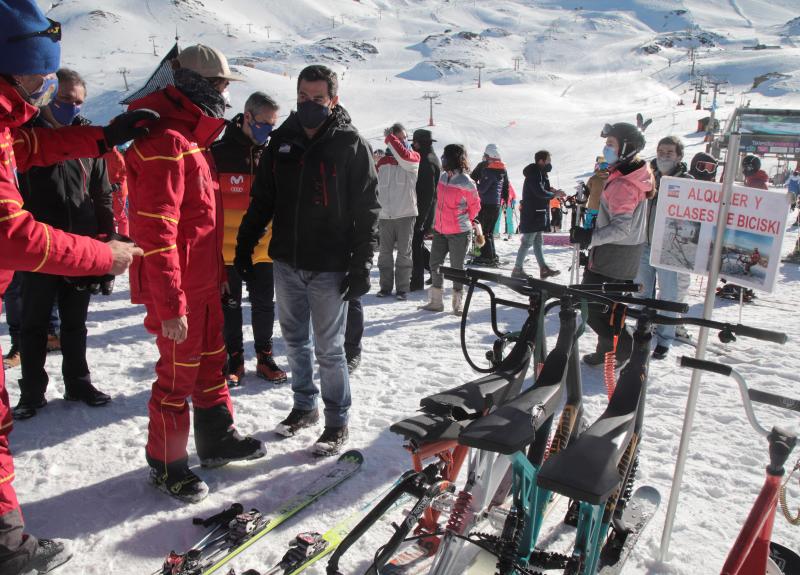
point(512, 426)
point(587, 469)
point(473, 399)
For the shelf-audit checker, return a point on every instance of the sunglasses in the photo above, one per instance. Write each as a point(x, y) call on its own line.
point(706, 167)
point(53, 32)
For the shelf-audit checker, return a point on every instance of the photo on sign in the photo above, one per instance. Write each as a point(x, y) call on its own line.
point(679, 243)
point(745, 256)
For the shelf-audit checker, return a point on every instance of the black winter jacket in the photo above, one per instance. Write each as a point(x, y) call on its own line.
point(534, 215)
point(430, 168)
point(321, 196)
point(73, 195)
point(492, 180)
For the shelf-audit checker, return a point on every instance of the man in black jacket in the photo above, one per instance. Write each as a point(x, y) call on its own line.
point(317, 184)
point(73, 196)
point(427, 179)
point(534, 216)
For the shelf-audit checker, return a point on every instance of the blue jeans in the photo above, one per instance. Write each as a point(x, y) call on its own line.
point(530, 240)
point(310, 303)
point(668, 288)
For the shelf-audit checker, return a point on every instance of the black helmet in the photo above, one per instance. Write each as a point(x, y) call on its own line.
point(703, 167)
point(750, 165)
point(631, 139)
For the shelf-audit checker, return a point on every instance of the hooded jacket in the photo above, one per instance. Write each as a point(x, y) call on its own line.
point(457, 204)
point(71, 195)
point(397, 181)
point(536, 196)
point(320, 195)
point(174, 207)
point(236, 159)
point(492, 179)
point(621, 227)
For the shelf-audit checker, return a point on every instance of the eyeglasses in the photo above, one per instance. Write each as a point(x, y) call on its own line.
point(706, 167)
point(53, 32)
point(606, 132)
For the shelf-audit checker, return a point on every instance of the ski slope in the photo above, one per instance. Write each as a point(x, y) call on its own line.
point(81, 472)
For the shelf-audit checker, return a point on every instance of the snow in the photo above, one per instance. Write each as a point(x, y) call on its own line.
point(81, 471)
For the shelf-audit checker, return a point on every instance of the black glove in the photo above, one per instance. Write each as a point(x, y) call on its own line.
point(107, 285)
point(125, 127)
point(243, 262)
point(115, 187)
point(580, 235)
point(355, 284)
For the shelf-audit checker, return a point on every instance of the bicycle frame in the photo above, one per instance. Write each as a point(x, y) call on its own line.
point(751, 550)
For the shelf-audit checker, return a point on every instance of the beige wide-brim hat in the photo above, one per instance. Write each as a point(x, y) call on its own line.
point(208, 62)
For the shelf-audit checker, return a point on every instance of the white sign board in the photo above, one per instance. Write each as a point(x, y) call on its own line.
point(685, 228)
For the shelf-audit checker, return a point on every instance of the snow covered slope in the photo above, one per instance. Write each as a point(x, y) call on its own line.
point(81, 472)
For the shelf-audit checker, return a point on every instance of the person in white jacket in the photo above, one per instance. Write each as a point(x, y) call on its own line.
point(397, 183)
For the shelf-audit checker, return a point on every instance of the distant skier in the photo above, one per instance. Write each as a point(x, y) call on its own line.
point(755, 259)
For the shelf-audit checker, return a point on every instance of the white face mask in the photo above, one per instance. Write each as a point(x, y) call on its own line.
point(226, 95)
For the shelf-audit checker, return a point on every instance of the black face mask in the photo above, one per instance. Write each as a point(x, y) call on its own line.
point(548, 167)
point(311, 115)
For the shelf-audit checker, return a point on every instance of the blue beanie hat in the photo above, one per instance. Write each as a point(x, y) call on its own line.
point(31, 55)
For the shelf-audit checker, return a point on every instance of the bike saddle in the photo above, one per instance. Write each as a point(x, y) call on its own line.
point(472, 399)
point(513, 425)
point(587, 469)
point(427, 428)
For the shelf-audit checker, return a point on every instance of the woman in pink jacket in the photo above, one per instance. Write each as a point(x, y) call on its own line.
point(457, 205)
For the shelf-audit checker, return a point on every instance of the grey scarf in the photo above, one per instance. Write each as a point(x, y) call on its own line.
point(200, 91)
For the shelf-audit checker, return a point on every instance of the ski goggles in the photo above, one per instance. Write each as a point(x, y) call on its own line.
point(706, 167)
point(53, 32)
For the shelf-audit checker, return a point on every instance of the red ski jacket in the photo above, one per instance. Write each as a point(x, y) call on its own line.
point(26, 244)
point(174, 207)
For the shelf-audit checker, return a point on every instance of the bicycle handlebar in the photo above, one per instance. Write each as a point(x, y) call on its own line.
point(724, 328)
point(712, 366)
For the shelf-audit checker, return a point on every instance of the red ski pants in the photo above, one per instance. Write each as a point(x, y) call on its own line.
point(8, 497)
point(15, 547)
point(189, 369)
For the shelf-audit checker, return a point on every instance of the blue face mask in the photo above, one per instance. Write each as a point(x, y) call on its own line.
point(610, 154)
point(64, 112)
point(44, 94)
point(260, 131)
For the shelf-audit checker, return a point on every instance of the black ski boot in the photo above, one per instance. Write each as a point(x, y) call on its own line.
point(177, 480)
point(49, 554)
point(217, 440)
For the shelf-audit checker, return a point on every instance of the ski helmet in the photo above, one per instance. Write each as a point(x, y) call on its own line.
point(703, 167)
point(631, 139)
point(750, 165)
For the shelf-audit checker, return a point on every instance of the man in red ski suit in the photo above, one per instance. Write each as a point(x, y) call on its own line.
point(176, 218)
point(117, 177)
point(29, 57)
